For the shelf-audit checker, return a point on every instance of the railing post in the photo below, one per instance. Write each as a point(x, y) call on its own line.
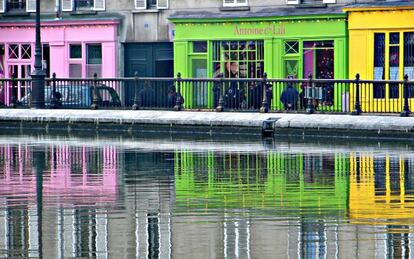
point(136, 97)
point(310, 107)
point(178, 103)
point(406, 111)
point(53, 97)
point(220, 107)
point(94, 105)
point(265, 103)
point(357, 109)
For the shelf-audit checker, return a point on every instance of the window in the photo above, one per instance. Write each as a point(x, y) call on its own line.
point(17, 6)
point(379, 64)
point(26, 50)
point(310, 2)
point(394, 63)
point(83, 5)
point(241, 59)
point(199, 46)
point(409, 59)
point(291, 47)
point(233, 3)
point(93, 60)
point(409, 55)
point(151, 4)
point(75, 51)
point(318, 59)
point(14, 52)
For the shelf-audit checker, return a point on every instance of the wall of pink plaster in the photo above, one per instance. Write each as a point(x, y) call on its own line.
point(59, 35)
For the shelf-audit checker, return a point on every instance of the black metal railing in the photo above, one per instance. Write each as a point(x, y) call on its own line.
point(218, 94)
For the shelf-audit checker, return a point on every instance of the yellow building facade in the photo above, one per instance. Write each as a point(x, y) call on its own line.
point(381, 46)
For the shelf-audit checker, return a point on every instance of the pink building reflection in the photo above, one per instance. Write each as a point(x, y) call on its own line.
point(72, 176)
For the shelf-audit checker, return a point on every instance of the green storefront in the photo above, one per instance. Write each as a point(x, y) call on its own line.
point(247, 47)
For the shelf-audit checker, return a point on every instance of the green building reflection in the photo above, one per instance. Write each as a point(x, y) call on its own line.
point(280, 182)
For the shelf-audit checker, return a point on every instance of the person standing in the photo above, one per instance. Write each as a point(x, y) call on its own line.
point(290, 97)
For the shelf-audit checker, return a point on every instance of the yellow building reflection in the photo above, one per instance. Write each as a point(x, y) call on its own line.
point(381, 189)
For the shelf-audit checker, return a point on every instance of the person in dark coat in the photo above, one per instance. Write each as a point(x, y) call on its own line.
point(290, 97)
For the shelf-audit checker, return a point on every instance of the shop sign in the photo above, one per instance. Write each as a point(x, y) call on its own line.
point(268, 30)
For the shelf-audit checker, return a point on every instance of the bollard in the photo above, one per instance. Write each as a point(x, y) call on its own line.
point(310, 107)
point(94, 105)
point(357, 109)
point(178, 103)
point(220, 107)
point(136, 97)
point(265, 103)
point(54, 103)
point(406, 111)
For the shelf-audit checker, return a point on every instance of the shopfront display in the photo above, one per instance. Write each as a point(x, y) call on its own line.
point(381, 43)
point(69, 48)
point(281, 46)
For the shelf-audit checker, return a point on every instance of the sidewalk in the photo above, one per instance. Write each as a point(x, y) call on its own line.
point(189, 122)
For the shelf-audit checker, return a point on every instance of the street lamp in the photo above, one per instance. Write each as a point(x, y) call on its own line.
point(38, 75)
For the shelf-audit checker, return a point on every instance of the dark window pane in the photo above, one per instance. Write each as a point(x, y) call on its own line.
point(84, 4)
point(379, 64)
point(26, 51)
point(14, 51)
point(291, 47)
point(395, 38)
point(94, 54)
point(76, 51)
point(409, 55)
point(200, 46)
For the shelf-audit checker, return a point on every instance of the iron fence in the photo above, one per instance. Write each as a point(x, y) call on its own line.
point(219, 94)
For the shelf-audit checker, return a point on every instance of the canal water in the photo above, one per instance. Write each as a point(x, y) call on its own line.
point(64, 197)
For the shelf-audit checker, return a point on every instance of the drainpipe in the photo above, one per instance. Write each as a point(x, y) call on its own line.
point(57, 10)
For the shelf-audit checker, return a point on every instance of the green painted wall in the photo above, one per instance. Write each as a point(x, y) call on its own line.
point(274, 31)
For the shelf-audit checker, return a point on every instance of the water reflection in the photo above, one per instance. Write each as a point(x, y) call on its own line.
point(147, 199)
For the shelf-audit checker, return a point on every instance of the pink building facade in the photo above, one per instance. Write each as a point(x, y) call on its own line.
point(71, 49)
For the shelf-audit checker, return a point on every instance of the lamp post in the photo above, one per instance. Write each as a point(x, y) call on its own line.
point(38, 75)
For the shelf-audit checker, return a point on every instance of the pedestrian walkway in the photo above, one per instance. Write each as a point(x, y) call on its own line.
point(211, 122)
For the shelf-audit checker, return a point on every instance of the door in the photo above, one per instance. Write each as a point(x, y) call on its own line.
point(200, 89)
point(18, 89)
point(149, 60)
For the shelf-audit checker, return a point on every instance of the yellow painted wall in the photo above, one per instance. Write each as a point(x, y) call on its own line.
point(362, 24)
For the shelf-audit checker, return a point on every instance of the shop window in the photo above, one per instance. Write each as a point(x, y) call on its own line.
point(199, 46)
point(318, 59)
point(409, 59)
point(394, 63)
point(14, 51)
point(379, 64)
point(93, 60)
point(26, 50)
point(151, 4)
point(238, 59)
point(291, 47)
point(233, 3)
point(75, 51)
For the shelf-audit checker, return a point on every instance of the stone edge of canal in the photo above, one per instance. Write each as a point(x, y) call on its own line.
point(187, 123)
